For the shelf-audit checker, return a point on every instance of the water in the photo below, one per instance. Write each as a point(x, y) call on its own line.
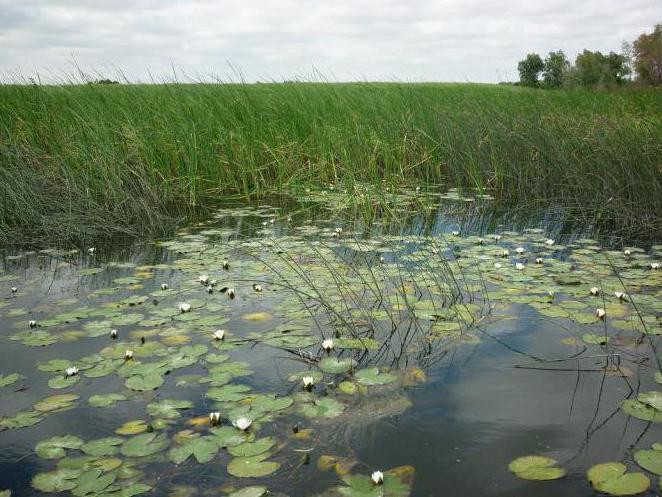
point(480, 365)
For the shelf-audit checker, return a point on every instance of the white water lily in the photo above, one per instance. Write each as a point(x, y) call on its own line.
point(600, 313)
point(434, 250)
point(539, 260)
point(418, 189)
point(32, 323)
point(242, 423)
point(114, 334)
point(551, 294)
point(219, 334)
point(497, 238)
point(230, 292)
point(328, 344)
point(339, 230)
point(594, 291)
point(308, 382)
point(381, 259)
point(289, 219)
point(497, 265)
point(14, 289)
point(215, 418)
point(654, 266)
point(257, 287)
point(226, 264)
point(621, 295)
point(549, 242)
point(184, 307)
point(627, 252)
point(164, 286)
point(128, 355)
point(520, 250)
point(91, 250)
point(455, 233)
point(505, 253)
point(519, 266)
point(210, 289)
point(204, 279)
point(481, 241)
point(71, 371)
point(377, 478)
point(264, 223)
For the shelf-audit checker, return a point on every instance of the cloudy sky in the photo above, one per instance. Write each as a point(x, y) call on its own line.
point(407, 40)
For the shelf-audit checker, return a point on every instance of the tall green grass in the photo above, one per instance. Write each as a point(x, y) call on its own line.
point(79, 161)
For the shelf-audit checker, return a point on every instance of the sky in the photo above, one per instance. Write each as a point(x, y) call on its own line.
point(339, 40)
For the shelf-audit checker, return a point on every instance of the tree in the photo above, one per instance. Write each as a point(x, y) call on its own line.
point(555, 69)
point(530, 69)
point(593, 69)
point(648, 57)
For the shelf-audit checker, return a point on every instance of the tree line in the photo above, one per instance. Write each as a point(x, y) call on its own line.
point(640, 61)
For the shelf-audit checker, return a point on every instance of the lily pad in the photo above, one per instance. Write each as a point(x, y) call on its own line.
point(9, 379)
point(611, 478)
point(106, 400)
point(93, 482)
point(108, 446)
point(536, 468)
point(253, 491)
point(56, 481)
point(144, 445)
point(326, 407)
point(372, 376)
point(650, 460)
point(252, 467)
point(249, 449)
point(204, 449)
point(168, 408)
point(333, 365)
point(54, 447)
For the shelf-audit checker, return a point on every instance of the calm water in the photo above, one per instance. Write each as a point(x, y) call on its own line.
point(480, 364)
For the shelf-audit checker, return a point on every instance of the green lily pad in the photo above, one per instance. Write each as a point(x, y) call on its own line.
point(53, 448)
point(253, 491)
point(144, 445)
point(204, 449)
point(56, 402)
point(611, 478)
point(106, 400)
point(143, 383)
point(252, 467)
point(93, 482)
point(168, 408)
point(642, 411)
point(229, 393)
point(595, 339)
point(653, 399)
point(227, 436)
point(372, 376)
point(108, 446)
point(22, 419)
point(59, 382)
point(326, 407)
point(536, 468)
point(56, 481)
point(249, 449)
point(650, 460)
point(334, 365)
point(9, 379)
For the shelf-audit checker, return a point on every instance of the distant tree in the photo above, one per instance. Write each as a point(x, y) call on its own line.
point(647, 51)
point(530, 69)
point(555, 68)
point(594, 69)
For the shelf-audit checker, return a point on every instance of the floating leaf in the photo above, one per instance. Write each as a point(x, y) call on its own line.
point(59, 382)
point(168, 408)
point(253, 491)
point(22, 420)
point(102, 446)
point(326, 407)
point(227, 436)
point(252, 448)
point(372, 376)
point(650, 460)
point(536, 468)
point(132, 427)
point(144, 445)
point(93, 482)
point(252, 467)
point(642, 411)
point(611, 478)
point(653, 399)
point(56, 402)
point(204, 449)
point(9, 379)
point(56, 481)
point(142, 383)
point(333, 365)
point(106, 400)
point(229, 393)
point(53, 448)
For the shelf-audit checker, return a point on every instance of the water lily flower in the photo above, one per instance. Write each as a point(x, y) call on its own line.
point(377, 478)
point(272, 220)
point(72, 371)
point(520, 250)
point(381, 259)
point(289, 219)
point(434, 250)
point(264, 223)
point(497, 238)
point(128, 355)
point(594, 291)
point(210, 289)
point(219, 335)
point(481, 241)
point(32, 323)
point(226, 264)
point(328, 344)
point(213, 283)
point(257, 287)
point(215, 418)
point(230, 292)
point(164, 286)
point(627, 252)
point(621, 295)
point(113, 334)
point(505, 253)
point(14, 289)
point(91, 250)
point(551, 294)
point(600, 313)
point(455, 233)
point(539, 260)
point(654, 266)
point(418, 189)
point(308, 382)
point(338, 230)
point(204, 279)
point(242, 423)
point(184, 307)
point(549, 242)
point(497, 265)
point(519, 266)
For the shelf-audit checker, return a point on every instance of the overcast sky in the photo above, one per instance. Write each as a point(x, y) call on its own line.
point(407, 40)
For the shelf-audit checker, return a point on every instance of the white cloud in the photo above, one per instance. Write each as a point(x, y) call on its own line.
point(444, 40)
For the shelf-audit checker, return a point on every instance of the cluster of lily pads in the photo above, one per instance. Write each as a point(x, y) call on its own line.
point(331, 300)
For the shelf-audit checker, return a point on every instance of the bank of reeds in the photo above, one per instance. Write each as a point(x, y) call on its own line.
point(78, 161)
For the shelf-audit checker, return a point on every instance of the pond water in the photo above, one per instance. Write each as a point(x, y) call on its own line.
point(463, 337)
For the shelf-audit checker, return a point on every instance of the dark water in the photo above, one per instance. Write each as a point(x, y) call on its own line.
point(484, 401)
